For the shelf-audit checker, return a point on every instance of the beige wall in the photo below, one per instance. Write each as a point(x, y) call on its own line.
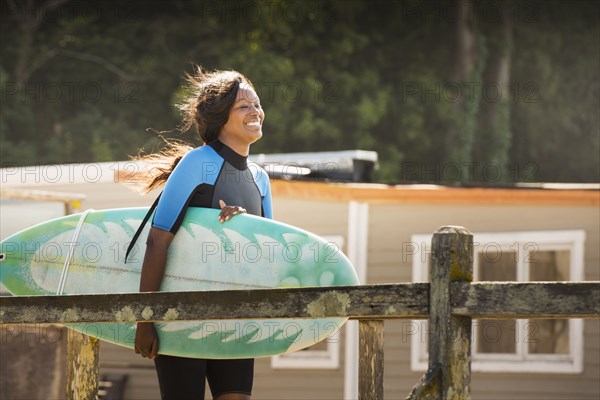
point(32, 353)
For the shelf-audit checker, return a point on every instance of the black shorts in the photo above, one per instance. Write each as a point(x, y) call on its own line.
point(184, 378)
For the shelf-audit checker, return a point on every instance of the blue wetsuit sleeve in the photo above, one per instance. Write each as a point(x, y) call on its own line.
point(265, 193)
point(199, 166)
point(267, 204)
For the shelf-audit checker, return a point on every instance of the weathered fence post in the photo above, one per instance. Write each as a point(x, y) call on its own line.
point(370, 367)
point(82, 366)
point(83, 353)
point(450, 338)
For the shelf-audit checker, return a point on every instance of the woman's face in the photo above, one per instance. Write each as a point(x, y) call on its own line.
point(246, 117)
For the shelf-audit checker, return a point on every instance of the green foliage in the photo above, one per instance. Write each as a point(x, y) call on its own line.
point(335, 75)
point(556, 112)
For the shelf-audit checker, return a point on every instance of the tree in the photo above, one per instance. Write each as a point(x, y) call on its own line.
point(416, 81)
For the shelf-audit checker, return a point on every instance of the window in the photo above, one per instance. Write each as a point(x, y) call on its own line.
point(537, 345)
point(323, 355)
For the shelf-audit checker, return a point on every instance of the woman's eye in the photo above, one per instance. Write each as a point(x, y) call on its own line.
point(255, 105)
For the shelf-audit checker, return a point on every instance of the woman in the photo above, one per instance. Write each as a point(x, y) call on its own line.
point(228, 116)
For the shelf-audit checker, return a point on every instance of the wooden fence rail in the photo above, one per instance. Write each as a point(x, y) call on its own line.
point(489, 300)
point(450, 301)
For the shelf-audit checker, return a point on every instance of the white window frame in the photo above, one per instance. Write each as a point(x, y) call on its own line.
point(314, 359)
point(520, 361)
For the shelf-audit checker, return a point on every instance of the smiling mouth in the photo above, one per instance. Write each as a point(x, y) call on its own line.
point(254, 124)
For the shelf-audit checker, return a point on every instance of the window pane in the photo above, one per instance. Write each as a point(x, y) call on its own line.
point(496, 336)
point(497, 265)
point(549, 265)
point(549, 336)
point(320, 346)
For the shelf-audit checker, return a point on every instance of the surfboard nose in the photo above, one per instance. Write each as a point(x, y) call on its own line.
point(15, 272)
point(9, 263)
point(7, 253)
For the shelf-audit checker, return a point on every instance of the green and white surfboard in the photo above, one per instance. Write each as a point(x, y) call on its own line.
point(246, 252)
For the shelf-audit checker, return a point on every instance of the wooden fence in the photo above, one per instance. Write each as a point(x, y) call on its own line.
point(450, 302)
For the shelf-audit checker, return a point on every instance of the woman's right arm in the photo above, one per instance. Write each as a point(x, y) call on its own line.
point(153, 270)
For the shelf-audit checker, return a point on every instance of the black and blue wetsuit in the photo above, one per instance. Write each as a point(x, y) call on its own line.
point(204, 176)
point(208, 174)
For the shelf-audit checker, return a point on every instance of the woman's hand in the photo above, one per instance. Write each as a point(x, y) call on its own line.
point(146, 340)
point(229, 211)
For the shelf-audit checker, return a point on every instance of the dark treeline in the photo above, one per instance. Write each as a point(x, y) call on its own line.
point(445, 91)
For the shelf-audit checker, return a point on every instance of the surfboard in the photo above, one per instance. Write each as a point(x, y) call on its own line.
point(246, 252)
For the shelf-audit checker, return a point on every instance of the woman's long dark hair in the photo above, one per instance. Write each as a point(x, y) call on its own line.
point(211, 95)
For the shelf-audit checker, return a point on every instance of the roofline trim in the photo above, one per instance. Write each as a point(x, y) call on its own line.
point(433, 194)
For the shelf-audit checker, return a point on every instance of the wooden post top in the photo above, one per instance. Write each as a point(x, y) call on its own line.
point(452, 230)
